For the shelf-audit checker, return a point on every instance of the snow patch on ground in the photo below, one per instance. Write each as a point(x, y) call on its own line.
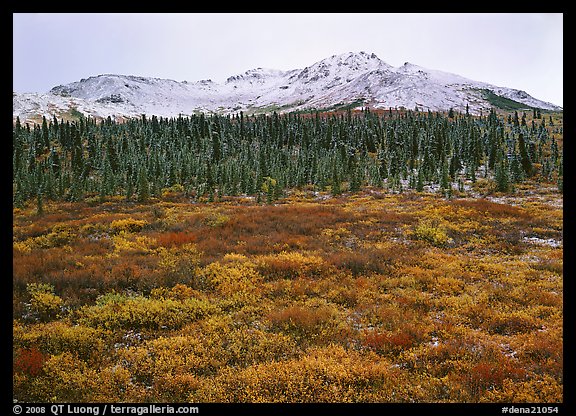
point(550, 242)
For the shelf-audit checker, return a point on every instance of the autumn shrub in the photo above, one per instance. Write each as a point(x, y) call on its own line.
point(389, 316)
point(291, 265)
point(240, 344)
point(484, 186)
point(127, 225)
point(555, 266)
point(346, 299)
point(178, 292)
point(128, 243)
point(202, 351)
point(362, 261)
point(174, 238)
point(393, 342)
point(511, 323)
point(163, 356)
point(348, 293)
point(236, 282)
point(432, 232)
point(203, 348)
point(58, 337)
point(180, 261)
point(544, 389)
point(139, 312)
point(29, 361)
point(94, 231)
point(173, 192)
point(115, 384)
point(216, 219)
point(542, 352)
point(313, 321)
point(487, 375)
point(298, 318)
point(437, 358)
point(64, 378)
point(39, 266)
point(174, 388)
point(341, 236)
point(60, 235)
point(475, 313)
point(324, 374)
point(44, 304)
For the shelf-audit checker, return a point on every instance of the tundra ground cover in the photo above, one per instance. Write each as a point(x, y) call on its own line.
point(366, 297)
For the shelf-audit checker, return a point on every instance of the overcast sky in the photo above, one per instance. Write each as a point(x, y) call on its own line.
point(516, 50)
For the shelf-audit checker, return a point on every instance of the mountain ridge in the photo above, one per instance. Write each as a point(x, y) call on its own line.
point(352, 77)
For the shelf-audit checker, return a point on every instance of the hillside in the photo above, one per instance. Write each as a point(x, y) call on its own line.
point(352, 78)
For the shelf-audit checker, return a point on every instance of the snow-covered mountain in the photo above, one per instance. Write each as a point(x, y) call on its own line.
point(359, 78)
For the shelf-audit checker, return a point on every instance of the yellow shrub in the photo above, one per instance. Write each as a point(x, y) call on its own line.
point(139, 313)
point(67, 379)
point(175, 388)
point(336, 234)
point(237, 283)
point(182, 259)
point(127, 225)
point(173, 191)
point(126, 242)
point(432, 232)
point(93, 229)
point(25, 246)
point(216, 219)
point(44, 304)
point(539, 390)
point(60, 235)
point(291, 265)
point(328, 374)
point(58, 337)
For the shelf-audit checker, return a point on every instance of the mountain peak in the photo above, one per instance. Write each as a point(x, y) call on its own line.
point(353, 59)
point(345, 66)
point(256, 74)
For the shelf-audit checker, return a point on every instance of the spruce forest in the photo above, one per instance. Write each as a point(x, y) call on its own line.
point(264, 156)
point(324, 256)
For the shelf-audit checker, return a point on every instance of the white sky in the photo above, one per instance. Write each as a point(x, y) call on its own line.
point(516, 50)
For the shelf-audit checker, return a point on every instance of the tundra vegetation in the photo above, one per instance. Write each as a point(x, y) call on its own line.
point(342, 257)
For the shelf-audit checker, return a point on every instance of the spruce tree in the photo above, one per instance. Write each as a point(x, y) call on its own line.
point(420, 180)
point(336, 189)
point(39, 203)
point(524, 157)
point(143, 185)
point(502, 176)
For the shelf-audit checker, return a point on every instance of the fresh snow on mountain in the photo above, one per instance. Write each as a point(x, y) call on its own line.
point(347, 78)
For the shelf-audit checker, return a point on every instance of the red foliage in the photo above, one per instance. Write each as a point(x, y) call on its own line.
point(389, 342)
point(173, 238)
point(29, 361)
point(486, 375)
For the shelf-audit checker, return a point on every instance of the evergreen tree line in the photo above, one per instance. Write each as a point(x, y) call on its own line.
point(208, 156)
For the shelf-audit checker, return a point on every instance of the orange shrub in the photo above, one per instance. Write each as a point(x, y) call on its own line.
point(511, 323)
point(390, 342)
point(314, 321)
point(291, 265)
point(29, 361)
point(543, 389)
point(488, 375)
point(173, 238)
